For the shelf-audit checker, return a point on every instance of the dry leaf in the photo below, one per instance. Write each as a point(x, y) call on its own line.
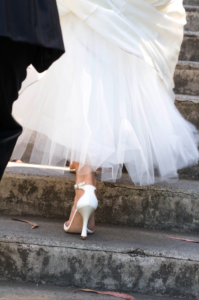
point(118, 295)
point(179, 239)
point(34, 225)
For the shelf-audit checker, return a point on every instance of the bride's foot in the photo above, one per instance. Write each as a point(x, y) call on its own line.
point(90, 180)
point(91, 222)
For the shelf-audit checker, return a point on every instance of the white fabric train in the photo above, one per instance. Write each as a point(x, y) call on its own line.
point(149, 29)
point(108, 101)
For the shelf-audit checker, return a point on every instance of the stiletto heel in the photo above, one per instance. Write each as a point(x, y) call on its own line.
point(85, 212)
point(86, 205)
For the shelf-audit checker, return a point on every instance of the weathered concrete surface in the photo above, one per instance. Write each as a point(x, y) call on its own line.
point(189, 108)
point(187, 78)
point(190, 2)
point(173, 205)
point(190, 173)
point(192, 18)
point(114, 258)
point(189, 50)
point(19, 290)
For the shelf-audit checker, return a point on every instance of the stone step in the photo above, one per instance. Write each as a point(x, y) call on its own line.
point(27, 290)
point(187, 78)
point(123, 259)
point(45, 193)
point(192, 18)
point(190, 46)
point(189, 108)
point(190, 173)
point(191, 2)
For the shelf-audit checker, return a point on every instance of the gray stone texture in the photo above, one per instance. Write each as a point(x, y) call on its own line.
point(192, 18)
point(187, 78)
point(191, 2)
point(189, 108)
point(19, 290)
point(190, 173)
point(173, 205)
point(189, 50)
point(115, 258)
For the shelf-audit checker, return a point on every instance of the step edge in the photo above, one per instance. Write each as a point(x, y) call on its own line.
point(186, 63)
point(187, 98)
point(191, 7)
point(161, 186)
point(140, 252)
point(188, 33)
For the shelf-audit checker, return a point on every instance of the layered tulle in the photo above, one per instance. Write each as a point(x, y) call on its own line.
point(99, 105)
point(149, 29)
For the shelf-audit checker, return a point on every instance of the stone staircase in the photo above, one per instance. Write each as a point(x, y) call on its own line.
point(187, 76)
point(129, 251)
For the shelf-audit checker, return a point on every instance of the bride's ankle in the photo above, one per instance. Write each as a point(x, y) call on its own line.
point(88, 178)
point(84, 174)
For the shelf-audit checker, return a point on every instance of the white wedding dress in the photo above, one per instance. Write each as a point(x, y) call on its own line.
point(108, 101)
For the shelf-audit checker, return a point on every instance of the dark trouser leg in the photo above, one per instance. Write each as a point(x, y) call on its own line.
point(15, 57)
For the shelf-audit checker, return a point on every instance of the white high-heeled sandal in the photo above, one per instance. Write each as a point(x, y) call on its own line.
point(86, 205)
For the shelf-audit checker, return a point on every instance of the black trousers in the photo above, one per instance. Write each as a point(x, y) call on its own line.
point(15, 57)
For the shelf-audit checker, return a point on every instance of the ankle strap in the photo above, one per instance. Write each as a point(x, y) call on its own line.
point(79, 185)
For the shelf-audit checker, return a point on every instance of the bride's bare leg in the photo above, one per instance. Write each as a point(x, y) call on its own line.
point(72, 166)
point(89, 177)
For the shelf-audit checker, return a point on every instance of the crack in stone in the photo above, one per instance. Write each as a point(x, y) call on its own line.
point(133, 253)
point(155, 189)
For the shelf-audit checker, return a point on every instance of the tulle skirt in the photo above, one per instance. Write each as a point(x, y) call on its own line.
point(100, 106)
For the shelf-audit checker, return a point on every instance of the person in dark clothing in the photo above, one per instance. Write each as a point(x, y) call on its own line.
point(30, 33)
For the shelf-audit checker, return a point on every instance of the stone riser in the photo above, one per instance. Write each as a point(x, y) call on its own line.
point(190, 48)
point(186, 78)
point(192, 18)
point(190, 173)
point(99, 270)
point(189, 108)
point(191, 2)
point(166, 206)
